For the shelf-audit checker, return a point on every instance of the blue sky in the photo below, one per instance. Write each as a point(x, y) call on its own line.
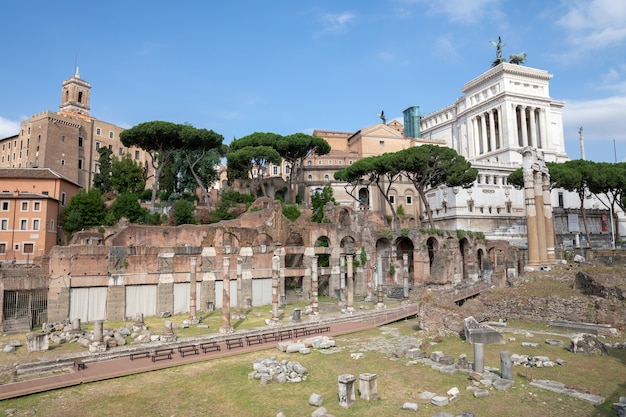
point(288, 66)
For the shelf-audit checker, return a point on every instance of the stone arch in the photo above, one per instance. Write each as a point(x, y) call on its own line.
point(348, 244)
point(384, 250)
point(412, 223)
point(344, 218)
point(433, 246)
point(294, 260)
point(230, 240)
point(263, 239)
point(404, 245)
point(323, 259)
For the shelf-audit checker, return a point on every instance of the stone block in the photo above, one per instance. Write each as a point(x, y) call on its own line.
point(503, 384)
point(481, 393)
point(414, 353)
point(316, 400)
point(305, 351)
point(410, 407)
point(446, 360)
point(427, 395)
point(453, 391)
point(439, 400)
point(436, 355)
point(319, 412)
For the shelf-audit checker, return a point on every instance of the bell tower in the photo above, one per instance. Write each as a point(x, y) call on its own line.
point(75, 95)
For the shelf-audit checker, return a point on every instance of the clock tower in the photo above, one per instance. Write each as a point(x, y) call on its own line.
point(75, 95)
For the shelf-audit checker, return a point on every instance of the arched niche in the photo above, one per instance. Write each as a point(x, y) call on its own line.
point(433, 246)
point(323, 259)
point(294, 260)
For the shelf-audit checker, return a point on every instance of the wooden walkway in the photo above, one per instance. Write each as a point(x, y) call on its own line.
point(123, 366)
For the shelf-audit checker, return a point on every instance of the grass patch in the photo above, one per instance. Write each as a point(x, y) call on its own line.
point(221, 387)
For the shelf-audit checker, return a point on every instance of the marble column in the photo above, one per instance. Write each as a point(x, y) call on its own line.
point(226, 326)
point(524, 126)
point(492, 132)
point(239, 287)
point(314, 286)
point(405, 274)
point(192, 289)
point(483, 134)
point(541, 224)
point(533, 126)
point(479, 357)
point(549, 222)
point(350, 282)
point(275, 281)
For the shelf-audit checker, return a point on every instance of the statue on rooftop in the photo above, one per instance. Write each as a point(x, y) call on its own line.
point(498, 46)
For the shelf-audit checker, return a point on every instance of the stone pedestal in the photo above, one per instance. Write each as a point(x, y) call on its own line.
point(168, 334)
point(296, 316)
point(37, 342)
point(368, 387)
point(479, 357)
point(346, 390)
point(76, 327)
point(506, 366)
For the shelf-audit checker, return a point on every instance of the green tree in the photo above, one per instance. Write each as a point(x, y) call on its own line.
point(574, 176)
point(608, 182)
point(381, 171)
point(183, 212)
point(318, 201)
point(85, 209)
point(249, 157)
point(127, 205)
point(102, 178)
point(294, 149)
point(429, 166)
point(127, 176)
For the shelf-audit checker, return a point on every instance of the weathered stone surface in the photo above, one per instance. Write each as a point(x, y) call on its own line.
point(587, 343)
point(439, 400)
point(446, 360)
point(479, 393)
point(481, 333)
point(559, 387)
point(410, 407)
point(436, 355)
point(443, 414)
point(319, 412)
point(503, 384)
point(427, 395)
point(590, 285)
point(316, 400)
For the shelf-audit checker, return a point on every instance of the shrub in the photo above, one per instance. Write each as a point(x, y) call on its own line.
point(291, 211)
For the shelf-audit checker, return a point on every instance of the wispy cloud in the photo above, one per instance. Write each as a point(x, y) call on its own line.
point(594, 24)
point(8, 127)
point(444, 48)
point(462, 11)
point(336, 22)
point(601, 118)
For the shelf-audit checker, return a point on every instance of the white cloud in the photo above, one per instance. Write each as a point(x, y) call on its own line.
point(8, 127)
point(600, 118)
point(595, 24)
point(463, 11)
point(336, 22)
point(443, 47)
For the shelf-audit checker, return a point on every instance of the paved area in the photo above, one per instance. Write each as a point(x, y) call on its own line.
point(122, 366)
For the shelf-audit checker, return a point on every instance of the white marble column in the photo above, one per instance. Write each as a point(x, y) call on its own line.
point(524, 125)
point(483, 135)
point(533, 126)
point(492, 132)
point(500, 137)
point(543, 130)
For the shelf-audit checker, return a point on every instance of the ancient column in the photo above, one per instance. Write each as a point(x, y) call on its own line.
point(483, 134)
point(192, 289)
point(543, 130)
point(479, 357)
point(379, 286)
point(506, 366)
point(350, 282)
point(531, 210)
point(239, 287)
point(541, 222)
point(98, 331)
point(405, 274)
point(549, 222)
point(275, 280)
point(342, 278)
point(226, 326)
point(314, 287)
point(500, 137)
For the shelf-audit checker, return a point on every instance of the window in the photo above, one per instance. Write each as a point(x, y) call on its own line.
point(52, 225)
point(309, 163)
point(381, 143)
point(35, 224)
point(3, 248)
point(80, 163)
point(62, 199)
point(23, 224)
point(4, 224)
point(330, 162)
point(350, 163)
point(97, 145)
point(98, 131)
point(62, 138)
point(340, 162)
point(136, 154)
point(120, 151)
point(62, 162)
point(319, 162)
point(96, 168)
point(275, 170)
point(409, 200)
point(29, 248)
point(80, 141)
point(111, 134)
point(80, 96)
point(287, 170)
point(392, 199)
point(326, 177)
point(310, 178)
point(24, 206)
